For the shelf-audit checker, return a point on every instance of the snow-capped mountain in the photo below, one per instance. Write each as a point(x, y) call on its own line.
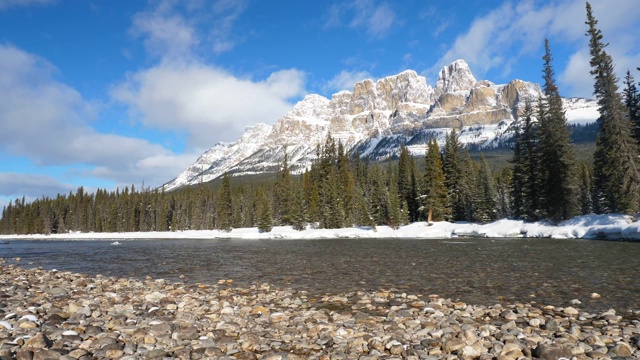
point(376, 118)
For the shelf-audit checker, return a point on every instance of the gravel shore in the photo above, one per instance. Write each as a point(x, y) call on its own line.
point(63, 315)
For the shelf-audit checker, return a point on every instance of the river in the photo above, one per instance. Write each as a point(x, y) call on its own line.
point(476, 271)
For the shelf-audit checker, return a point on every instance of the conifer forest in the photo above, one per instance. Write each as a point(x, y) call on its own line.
point(544, 178)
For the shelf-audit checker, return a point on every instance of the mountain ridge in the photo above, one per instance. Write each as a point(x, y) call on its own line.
point(376, 118)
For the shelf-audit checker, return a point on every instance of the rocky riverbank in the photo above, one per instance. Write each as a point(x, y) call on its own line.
point(62, 315)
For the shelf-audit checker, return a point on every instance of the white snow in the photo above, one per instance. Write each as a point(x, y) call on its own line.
point(611, 226)
point(582, 116)
point(580, 111)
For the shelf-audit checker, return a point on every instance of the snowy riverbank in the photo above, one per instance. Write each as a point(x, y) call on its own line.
point(610, 226)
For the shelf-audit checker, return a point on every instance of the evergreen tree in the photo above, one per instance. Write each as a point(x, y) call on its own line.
point(225, 205)
point(395, 210)
point(453, 176)
point(434, 188)
point(525, 184)
point(557, 160)
point(503, 184)
point(616, 164)
point(282, 193)
point(379, 197)
point(363, 215)
point(518, 175)
point(297, 207)
point(486, 199)
point(584, 195)
point(265, 220)
point(468, 186)
point(404, 176)
point(346, 187)
point(631, 98)
point(311, 194)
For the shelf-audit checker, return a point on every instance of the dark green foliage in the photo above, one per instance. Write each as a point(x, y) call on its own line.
point(584, 195)
point(557, 160)
point(408, 184)
point(631, 98)
point(616, 166)
point(453, 177)
point(298, 218)
point(486, 196)
point(503, 184)
point(265, 220)
point(224, 205)
point(283, 193)
point(434, 198)
point(525, 184)
point(395, 207)
point(468, 186)
point(379, 196)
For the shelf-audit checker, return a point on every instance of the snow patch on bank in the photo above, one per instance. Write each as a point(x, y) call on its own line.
point(610, 226)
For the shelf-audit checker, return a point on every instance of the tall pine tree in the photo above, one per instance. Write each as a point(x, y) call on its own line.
point(225, 205)
point(265, 220)
point(616, 164)
point(632, 101)
point(557, 156)
point(525, 185)
point(453, 177)
point(486, 196)
point(435, 200)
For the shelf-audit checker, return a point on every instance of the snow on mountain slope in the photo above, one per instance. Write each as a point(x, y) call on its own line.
point(581, 111)
point(376, 118)
point(221, 158)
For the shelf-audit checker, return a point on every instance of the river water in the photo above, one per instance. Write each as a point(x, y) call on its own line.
point(477, 271)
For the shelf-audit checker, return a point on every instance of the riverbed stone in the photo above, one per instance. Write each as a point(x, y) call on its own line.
point(107, 317)
point(552, 351)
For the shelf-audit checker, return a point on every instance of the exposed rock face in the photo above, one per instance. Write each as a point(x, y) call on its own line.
point(392, 111)
point(455, 77)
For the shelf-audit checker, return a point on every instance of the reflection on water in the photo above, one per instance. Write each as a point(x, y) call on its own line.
point(479, 271)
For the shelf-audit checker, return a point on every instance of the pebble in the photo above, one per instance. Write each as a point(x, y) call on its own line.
point(63, 315)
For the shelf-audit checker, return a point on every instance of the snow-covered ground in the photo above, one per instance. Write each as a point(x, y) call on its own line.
point(611, 226)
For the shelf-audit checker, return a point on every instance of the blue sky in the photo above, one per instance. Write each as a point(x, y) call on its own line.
point(113, 93)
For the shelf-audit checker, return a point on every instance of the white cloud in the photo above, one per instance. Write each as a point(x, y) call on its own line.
point(49, 123)
point(153, 170)
point(174, 29)
point(346, 79)
point(225, 13)
point(13, 185)
point(183, 93)
point(500, 38)
point(376, 19)
point(166, 33)
point(5, 4)
point(209, 103)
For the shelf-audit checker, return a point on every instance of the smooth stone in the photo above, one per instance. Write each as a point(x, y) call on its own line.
point(37, 342)
point(46, 355)
point(621, 349)
point(571, 311)
point(154, 297)
point(452, 345)
point(278, 317)
point(260, 310)
point(552, 351)
point(56, 291)
point(470, 352)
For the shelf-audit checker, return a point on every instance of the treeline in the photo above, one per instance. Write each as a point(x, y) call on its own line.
point(338, 191)
point(542, 181)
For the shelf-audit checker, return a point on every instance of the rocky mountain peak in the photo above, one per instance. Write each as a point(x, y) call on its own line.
point(310, 106)
point(375, 118)
point(455, 77)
